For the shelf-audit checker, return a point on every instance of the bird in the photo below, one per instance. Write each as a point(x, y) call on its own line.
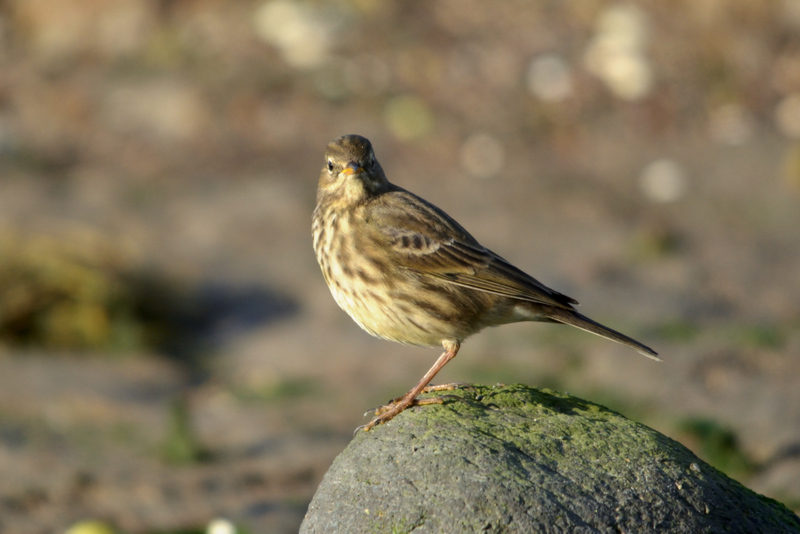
point(405, 271)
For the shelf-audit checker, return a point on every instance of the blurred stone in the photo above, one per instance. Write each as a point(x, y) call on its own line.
point(5, 40)
point(786, 71)
point(663, 181)
point(9, 141)
point(790, 168)
point(280, 124)
point(498, 65)
point(220, 526)
point(731, 124)
point(50, 117)
point(787, 116)
point(331, 81)
point(549, 78)
point(164, 110)
point(791, 13)
point(58, 30)
point(624, 26)
point(124, 27)
point(616, 54)
point(482, 155)
point(459, 17)
point(367, 74)
point(408, 117)
point(304, 33)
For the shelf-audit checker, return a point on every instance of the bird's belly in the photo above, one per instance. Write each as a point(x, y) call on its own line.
point(389, 302)
point(390, 320)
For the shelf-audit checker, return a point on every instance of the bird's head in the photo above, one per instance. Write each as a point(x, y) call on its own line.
point(350, 171)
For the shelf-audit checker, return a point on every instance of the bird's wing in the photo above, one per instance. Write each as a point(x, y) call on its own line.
point(426, 240)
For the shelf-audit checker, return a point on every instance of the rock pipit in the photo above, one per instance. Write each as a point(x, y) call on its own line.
point(405, 271)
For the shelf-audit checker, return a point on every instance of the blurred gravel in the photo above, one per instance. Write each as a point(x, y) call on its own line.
point(643, 158)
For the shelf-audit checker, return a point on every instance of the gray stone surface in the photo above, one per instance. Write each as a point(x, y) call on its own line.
point(517, 459)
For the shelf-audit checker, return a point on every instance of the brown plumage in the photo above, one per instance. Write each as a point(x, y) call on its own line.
point(405, 271)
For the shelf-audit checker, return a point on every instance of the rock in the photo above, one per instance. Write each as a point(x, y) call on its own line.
point(517, 459)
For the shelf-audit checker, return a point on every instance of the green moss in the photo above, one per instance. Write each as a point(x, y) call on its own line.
point(487, 456)
point(64, 293)
point(404, 526)
point(570, 422)
point(181, 444)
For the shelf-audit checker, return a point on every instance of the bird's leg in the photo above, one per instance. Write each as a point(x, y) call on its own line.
point(385, 413)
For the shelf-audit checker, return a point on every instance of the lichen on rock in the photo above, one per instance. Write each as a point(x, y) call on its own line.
point(519, 459)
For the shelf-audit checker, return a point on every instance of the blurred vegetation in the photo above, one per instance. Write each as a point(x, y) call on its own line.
point(182, 445)
point(717, 445)
point(66, 294)
point(678, 330)
point(656, 242)
point(769, 336)
point(80, 291)
point(91, 526)
point(280, 390)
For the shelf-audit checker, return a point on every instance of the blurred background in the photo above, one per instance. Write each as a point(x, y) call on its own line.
point(169, 352)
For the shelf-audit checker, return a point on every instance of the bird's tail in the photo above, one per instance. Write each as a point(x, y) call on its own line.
point(577, 320)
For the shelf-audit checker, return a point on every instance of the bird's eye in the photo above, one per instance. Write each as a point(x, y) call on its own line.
point(330, 165)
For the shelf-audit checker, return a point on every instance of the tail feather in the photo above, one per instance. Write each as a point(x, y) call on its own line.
point(577, 320)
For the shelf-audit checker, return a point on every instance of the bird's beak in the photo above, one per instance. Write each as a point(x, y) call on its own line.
point(352, 168)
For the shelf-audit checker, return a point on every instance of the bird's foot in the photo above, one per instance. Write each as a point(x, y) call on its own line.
point(395, 406)
point(389, 411)
point(420, 402)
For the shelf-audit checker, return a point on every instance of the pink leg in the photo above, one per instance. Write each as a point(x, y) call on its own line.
point(386, 413)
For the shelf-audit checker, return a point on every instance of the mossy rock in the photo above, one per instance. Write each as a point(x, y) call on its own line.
point(518, 459)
